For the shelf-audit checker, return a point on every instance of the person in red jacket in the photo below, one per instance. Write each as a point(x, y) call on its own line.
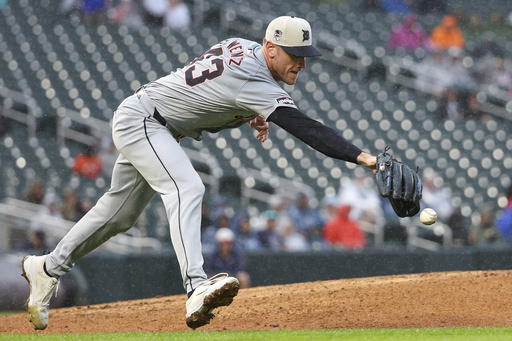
point(340, 231)
point(88, 163)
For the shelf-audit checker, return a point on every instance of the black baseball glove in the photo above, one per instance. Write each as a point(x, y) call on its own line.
point(400, 184)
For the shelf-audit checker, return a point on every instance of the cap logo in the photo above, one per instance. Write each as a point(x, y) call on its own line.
point(278, 34)
point(305, 35)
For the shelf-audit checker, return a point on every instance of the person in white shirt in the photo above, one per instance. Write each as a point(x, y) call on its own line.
point(177, 15)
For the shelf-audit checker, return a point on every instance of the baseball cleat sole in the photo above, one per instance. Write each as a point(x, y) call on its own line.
point(219, 298)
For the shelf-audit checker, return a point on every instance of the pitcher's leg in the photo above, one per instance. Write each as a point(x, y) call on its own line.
point(116, 211)
point(167, 168)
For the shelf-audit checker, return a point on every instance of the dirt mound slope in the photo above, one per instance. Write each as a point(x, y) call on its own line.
point(447, 299)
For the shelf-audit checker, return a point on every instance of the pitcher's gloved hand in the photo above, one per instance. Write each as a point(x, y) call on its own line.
point(399, 183)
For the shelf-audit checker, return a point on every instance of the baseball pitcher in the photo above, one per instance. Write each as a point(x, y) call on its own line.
point(233, 83)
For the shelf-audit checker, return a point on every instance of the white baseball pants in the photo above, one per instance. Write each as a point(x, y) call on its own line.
point(151, 161)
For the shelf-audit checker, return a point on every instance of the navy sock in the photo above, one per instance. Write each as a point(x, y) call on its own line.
point(190, 293)
point(46, 271)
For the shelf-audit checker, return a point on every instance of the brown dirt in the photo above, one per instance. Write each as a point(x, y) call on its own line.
point(448, 299)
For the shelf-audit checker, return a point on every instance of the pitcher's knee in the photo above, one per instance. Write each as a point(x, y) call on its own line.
point(197, 188)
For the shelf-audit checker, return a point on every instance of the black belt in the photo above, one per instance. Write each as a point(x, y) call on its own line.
point(159, 118)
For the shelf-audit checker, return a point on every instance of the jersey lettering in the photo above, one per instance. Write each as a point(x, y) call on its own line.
point(236, 51)
point(208, 74)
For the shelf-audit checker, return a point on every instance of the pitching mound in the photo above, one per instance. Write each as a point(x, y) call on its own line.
point(448, 299)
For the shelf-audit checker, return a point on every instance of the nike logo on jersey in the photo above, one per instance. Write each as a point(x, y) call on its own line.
point(285, 100)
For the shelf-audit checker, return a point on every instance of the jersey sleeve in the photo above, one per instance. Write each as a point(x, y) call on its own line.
point(263, 97)
point(318, 136)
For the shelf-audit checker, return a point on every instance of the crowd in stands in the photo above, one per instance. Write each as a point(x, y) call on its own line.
point(336, 223)
point(451, 72)
point(174, 14)
point(67, 205)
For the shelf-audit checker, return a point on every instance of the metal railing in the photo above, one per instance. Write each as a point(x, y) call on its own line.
point(417, 232)
point(10, 99)
point(18, 218)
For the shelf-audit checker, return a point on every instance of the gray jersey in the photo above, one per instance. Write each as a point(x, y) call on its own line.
point(224, 88)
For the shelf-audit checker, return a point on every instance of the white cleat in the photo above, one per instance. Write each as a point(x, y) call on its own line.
point(216, 292)
point(41, 289)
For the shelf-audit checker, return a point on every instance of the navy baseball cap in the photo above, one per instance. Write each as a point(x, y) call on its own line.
point(293, 35)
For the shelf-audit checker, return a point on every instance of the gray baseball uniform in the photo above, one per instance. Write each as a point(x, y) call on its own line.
point(227, 86)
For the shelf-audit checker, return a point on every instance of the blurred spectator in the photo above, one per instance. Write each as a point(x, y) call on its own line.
point(108, 155)
point(450, 107)
point(268, 237)
point(154, 11)
point(66, 7)
point(436, 196)
point(460, 14)
point(205, 216)
point(221, 220)
point(498, 25)
point(126, 14)
point(362, 196)
point(447, 34)
point(460, 75)
point(431, 6)
point(472, 109)
point(395, 6)
point(433, 76)
point(504, 220)
point(52, 205)
point(5, 124)
point(88, 164)
point(36, 242)
point(443, 70)
point(307, 219)
point(246, 238)
point(329, 207)
point(484, 232)
point(488, 47)
point(460, 235)
point(369, 5)
point(509, 18)
point(219, 207)
point(294, 241)
point(495, 71)
point(473, 27)
point(35, 193)
point(502, 76)
point(48, 213)
point(496, 19)
point(70, 205)
point(343, 232)
point(227, 259)
point(409, 35)
point(278, 204)
point(177, 15)
point(84, 205)
point(94, 12)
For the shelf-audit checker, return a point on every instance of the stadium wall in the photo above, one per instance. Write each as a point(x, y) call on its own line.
point(115, 278)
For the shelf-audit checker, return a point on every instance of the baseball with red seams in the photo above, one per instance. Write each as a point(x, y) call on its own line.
point(428, 216)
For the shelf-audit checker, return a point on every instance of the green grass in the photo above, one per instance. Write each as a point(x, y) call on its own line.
point(427, 334)
point(9, 312)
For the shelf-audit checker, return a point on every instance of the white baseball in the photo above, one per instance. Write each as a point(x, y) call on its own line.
point(428, 216)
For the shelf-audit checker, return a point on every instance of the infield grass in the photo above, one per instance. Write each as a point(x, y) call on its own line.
point(427, 334)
